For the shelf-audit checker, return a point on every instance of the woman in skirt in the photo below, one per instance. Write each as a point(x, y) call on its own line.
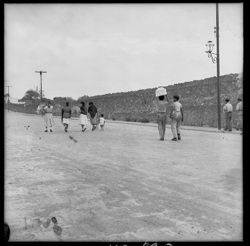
point(83, 116)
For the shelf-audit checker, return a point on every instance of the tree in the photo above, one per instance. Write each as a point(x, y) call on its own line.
point(82, 98)
point(30, 96)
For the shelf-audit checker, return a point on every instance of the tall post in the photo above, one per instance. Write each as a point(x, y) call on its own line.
point(41, 86)
point(8, 102)
point(41, 83)
point(218, 66)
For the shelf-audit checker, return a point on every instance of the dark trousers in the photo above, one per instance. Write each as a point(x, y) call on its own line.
point(228, 118)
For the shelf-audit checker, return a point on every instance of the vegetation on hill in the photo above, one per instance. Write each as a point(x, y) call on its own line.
point(199, 99)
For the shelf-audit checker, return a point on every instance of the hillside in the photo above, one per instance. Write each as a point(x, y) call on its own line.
point(199, 99)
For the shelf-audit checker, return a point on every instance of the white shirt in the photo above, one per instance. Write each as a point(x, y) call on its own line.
point(48, 109)
point(177, 106)
point(228, 107)
point(102, 121)
point(239, 106)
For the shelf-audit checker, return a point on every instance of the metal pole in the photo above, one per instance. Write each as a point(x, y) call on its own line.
point(218, 66)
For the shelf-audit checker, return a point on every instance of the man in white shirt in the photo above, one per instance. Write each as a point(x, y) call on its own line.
point(228, 108)
point(239, 109)
point(176, 116)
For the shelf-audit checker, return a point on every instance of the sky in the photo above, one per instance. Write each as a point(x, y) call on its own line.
point(94, 49)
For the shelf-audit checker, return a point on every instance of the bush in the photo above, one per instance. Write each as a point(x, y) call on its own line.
point(131, 119)
point(144, 120)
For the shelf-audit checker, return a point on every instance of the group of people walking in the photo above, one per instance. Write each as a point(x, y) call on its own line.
point(176, 114)
point(161, 104)
point(66, 112)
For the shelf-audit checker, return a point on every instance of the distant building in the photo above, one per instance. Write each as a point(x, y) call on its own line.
point(12, 100)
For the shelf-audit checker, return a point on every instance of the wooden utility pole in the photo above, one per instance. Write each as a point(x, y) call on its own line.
point(41, 83)
point(218, 66)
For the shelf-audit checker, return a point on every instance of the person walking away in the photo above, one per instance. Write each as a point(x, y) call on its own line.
point(176, 116)
point(102, 122)
point(160, 103)
point(239, 110)
point(228, 108)
point(92, 110)
point(66, 115)
point(49, 121)
point(83, 117)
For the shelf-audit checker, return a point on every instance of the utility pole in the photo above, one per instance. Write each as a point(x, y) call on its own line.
point(8, 102)
point(218, 66)
point(41, 86)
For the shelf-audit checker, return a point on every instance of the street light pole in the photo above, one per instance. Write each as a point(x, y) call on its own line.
point(41, 86)
point(218, 66)
point(215, 57)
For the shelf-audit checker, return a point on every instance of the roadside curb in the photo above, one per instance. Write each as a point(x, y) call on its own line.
point(191, 128)
point(183, 127)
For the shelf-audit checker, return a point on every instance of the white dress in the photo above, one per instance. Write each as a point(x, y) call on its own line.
point(83, 119)
point(102, 121)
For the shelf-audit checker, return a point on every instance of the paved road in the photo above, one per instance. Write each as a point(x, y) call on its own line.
point(121, 184)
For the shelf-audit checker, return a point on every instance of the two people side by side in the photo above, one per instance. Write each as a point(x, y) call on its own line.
point(48, 117)
point(46, 110)
point(228, 110)
point(176, 114)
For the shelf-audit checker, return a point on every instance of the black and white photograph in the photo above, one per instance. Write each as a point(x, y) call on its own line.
point(123, 122)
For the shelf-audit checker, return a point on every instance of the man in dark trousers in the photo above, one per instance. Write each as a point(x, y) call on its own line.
point(66, 115)
point(92, 110)
point(228, 108)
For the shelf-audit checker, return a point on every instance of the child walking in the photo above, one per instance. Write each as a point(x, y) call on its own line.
point(66, 115)
point(161, 110)
point(176, 116)
point(83, 116)
point(102, 122)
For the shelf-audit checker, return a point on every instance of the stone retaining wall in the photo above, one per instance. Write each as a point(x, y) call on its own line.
point(199, 100)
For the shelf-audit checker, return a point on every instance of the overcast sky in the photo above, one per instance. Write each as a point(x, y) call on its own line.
point(95, 49)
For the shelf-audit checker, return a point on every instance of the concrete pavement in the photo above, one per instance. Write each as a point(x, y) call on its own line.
point(121, 183)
